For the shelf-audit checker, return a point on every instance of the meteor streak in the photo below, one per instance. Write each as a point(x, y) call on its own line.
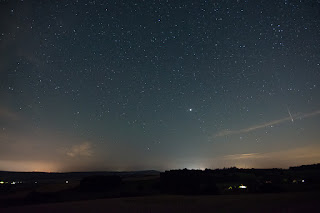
point(267, 124)
point(290, 114)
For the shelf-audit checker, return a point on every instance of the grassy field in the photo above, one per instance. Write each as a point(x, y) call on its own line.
point(283, 202)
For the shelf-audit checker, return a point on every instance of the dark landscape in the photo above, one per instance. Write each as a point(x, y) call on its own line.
point(282, 190)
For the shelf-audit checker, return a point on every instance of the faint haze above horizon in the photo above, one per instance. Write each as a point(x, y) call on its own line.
point(156, 85)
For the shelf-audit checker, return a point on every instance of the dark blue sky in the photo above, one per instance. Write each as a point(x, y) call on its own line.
point(126, 85)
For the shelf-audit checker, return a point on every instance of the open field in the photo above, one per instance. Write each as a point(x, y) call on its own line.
point(284, 202)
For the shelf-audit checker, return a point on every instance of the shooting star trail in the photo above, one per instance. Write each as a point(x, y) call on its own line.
point(290, 114)
point(298, 116)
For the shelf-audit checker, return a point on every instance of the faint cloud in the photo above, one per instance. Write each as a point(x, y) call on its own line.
point(7, 114)
point(284, 158)
point(80, 150)
point(244, 156)
point(271, 123)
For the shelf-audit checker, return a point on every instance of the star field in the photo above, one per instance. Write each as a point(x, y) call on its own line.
point(120, 85)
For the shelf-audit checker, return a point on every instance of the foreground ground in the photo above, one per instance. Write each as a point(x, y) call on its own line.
point(282, 202)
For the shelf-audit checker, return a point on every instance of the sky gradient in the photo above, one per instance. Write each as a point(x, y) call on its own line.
point(134, 85)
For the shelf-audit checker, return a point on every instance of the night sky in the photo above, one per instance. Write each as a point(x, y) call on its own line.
point(134, 85)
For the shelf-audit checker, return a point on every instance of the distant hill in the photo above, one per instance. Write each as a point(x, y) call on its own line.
point(48, 177)
point(306, 167)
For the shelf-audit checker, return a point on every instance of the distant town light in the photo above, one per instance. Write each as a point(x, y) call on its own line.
point(13, 183)
point(242, 187)
point(302, 181)
point(35, 182)
point(67, 182)
point(1, 182)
